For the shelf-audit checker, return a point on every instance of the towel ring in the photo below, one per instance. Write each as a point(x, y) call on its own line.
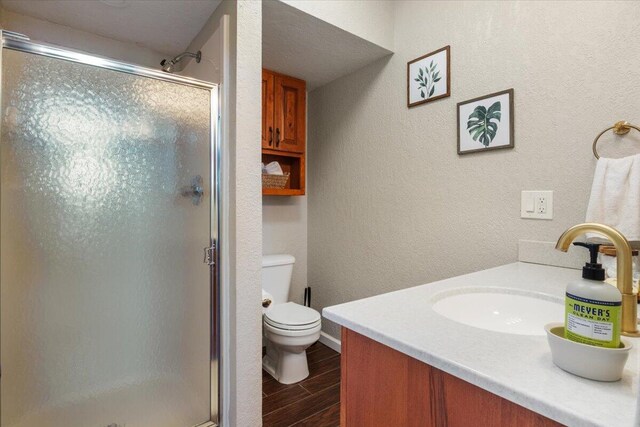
point(620, 128)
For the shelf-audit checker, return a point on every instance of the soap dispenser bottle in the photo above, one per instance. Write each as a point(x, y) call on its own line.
point(593, 308)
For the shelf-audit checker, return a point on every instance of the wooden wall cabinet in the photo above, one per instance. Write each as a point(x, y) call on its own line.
point(284, 130)
point(381, 386)
point(268, 94)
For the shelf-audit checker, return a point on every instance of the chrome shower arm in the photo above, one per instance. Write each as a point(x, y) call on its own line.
point(168, 65)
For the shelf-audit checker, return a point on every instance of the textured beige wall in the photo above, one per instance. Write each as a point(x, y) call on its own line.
point(247, 210)
point(61, 35)
point(371, 20)
point(392, 205)
point(284, 231)
point(210, 66)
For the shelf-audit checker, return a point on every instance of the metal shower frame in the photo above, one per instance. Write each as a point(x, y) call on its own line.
point(19, 42)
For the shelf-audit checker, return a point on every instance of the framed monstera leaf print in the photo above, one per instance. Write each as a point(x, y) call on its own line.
point(429, 77)
point(486, 123)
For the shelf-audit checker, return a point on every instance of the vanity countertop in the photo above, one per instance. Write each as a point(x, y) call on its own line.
point(516, 367)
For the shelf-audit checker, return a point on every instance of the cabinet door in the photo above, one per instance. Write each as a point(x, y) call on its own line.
point(290, 114)
point(268, 84)
point(380, 383)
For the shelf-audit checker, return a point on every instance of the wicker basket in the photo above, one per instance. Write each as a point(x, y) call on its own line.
point(275, 181)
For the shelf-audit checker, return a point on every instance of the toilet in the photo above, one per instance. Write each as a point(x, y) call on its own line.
point(289, 328)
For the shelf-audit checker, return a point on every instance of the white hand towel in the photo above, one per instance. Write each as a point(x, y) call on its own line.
point(615, 196)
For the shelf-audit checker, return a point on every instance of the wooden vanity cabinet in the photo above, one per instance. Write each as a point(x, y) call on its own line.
point(381, 386)
point(284, 128)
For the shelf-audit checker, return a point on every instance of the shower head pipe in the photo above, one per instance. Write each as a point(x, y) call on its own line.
point(169, 66)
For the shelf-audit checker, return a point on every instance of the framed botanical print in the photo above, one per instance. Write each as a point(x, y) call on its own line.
point(486, 123)
point(429, 77)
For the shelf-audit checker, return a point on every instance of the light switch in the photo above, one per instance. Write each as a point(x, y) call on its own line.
point(536, 204)
point(529, 204)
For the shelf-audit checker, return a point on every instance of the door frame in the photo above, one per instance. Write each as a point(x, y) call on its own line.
point(22, 43)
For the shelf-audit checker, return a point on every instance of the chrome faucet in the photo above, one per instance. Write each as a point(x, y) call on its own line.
point(624, 276)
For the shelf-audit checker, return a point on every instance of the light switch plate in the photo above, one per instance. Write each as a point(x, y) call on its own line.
point(536, 204)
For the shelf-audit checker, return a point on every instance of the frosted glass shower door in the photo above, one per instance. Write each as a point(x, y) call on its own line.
point(105, 303)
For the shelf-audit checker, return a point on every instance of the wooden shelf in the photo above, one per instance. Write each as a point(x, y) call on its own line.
point(283, 192)
point(293, 163)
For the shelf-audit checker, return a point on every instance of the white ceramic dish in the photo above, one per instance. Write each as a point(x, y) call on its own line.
point(587, 361)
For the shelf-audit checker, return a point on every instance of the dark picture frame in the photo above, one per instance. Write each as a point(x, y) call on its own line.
point(485, 125)
point(426, 78)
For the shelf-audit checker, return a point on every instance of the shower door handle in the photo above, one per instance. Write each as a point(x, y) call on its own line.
point(195, 190)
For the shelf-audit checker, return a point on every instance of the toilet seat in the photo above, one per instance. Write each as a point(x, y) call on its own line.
point(271, 332)
point(292, 317)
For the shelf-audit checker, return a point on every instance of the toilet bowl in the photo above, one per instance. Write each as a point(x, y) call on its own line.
point(290, 329)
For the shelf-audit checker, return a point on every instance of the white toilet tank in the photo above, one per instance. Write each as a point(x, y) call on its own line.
point(276, 276)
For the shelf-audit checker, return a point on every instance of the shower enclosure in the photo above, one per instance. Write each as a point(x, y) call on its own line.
point(108, 207)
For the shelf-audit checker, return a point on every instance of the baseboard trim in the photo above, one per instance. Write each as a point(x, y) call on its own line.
point(331, 342)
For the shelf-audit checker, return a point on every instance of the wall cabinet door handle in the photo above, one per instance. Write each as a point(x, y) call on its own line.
point(270, 136)
point(277, 137)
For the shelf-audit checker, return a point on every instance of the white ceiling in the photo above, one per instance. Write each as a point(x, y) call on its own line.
point(300, 45)
point(166, 26)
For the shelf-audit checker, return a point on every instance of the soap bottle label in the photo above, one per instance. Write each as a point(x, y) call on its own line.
point(593, 322)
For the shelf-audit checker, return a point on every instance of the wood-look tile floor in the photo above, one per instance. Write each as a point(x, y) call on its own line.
point(313, 402)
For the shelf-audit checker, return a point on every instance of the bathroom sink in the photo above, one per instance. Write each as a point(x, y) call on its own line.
point(510, 311)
